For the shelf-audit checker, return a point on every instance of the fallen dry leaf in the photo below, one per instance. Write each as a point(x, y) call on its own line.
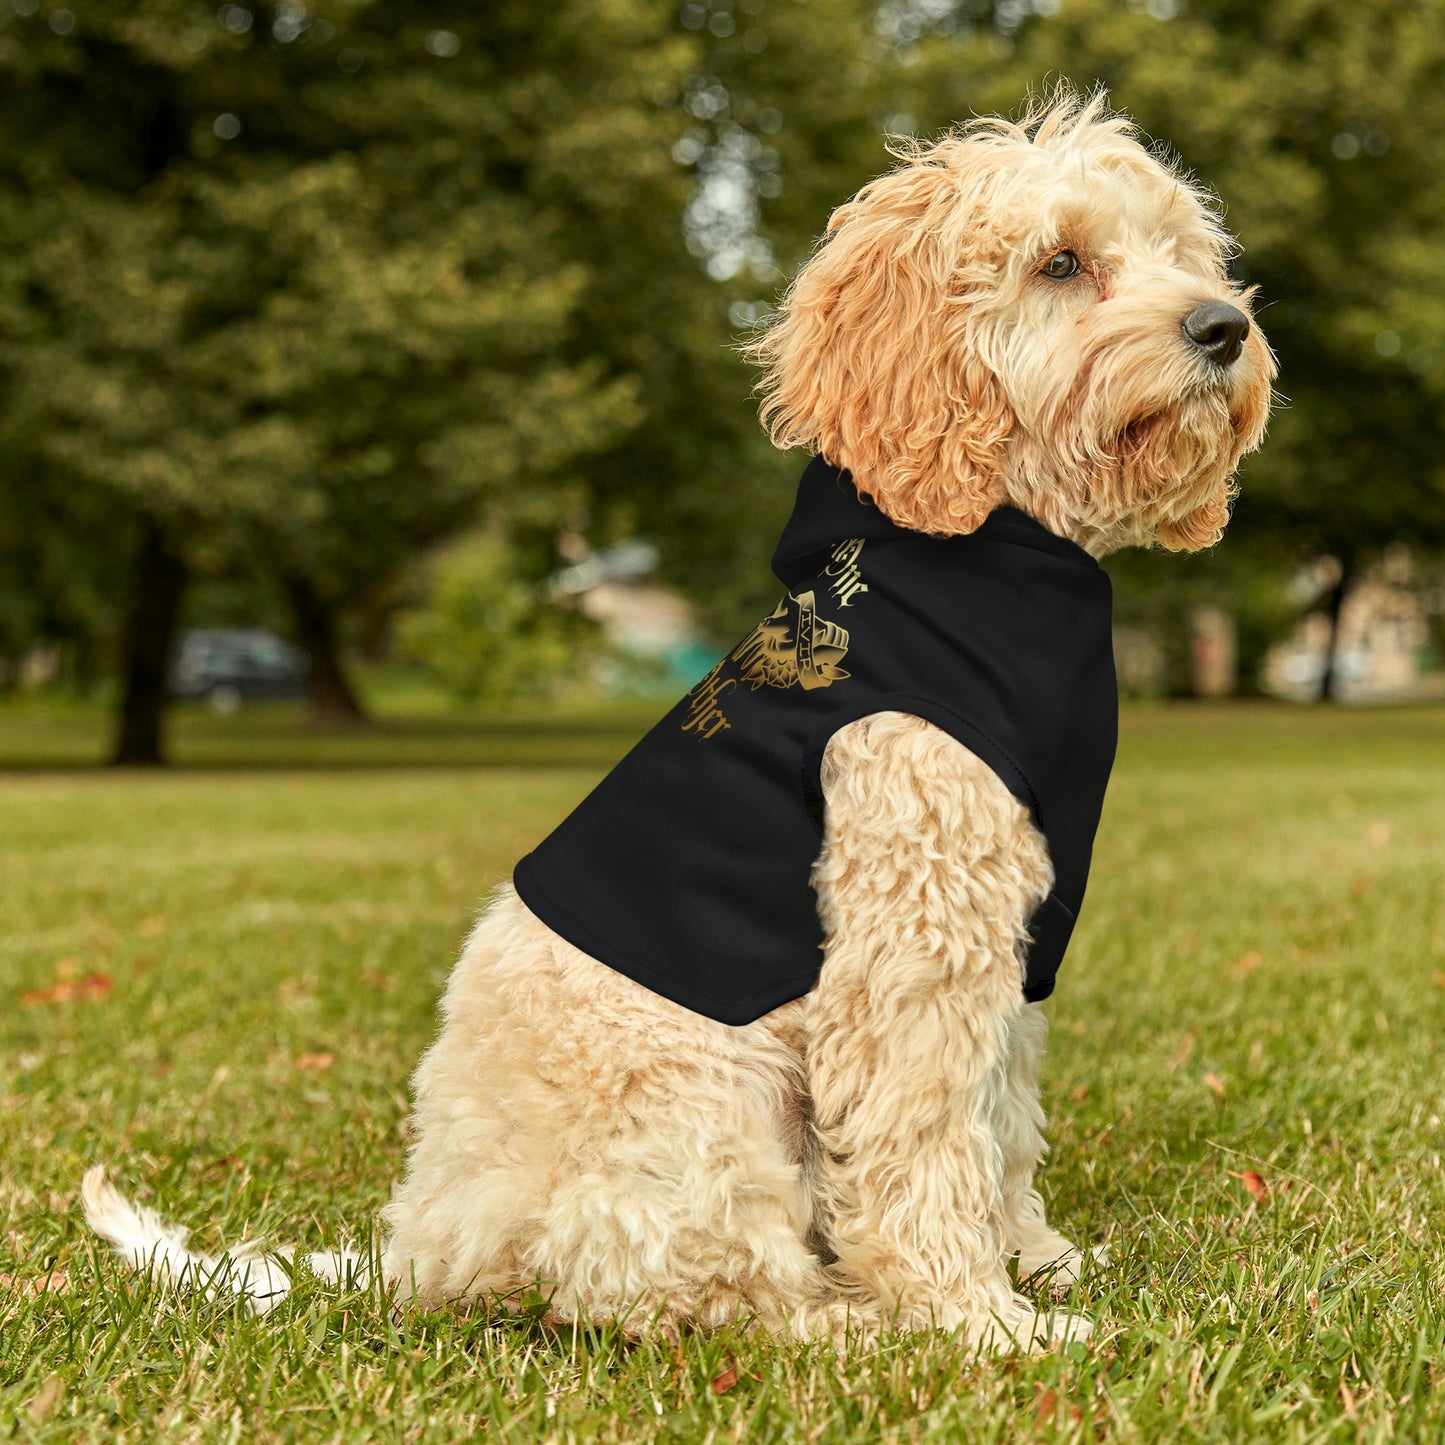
point(1214, 1083)
point(82, 990)
point(724, 1382)
point(56, 1282)
point(320, 1059)
point(1254, 1183)
point(1359, 886)
point(1046, 1407)
point(1248, 963)
point(56, 993)
point(377, 978)
point(1080, 1094)
point(1440, 980)
point(1181, 1054)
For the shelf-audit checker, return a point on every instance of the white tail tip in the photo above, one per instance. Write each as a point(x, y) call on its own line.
point(147, 1243)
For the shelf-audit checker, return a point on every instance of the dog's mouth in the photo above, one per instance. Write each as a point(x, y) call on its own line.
point(1166, 427)
point(1172, 455)
point(1201, 409)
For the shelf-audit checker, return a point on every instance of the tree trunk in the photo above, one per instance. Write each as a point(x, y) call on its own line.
point(150, 631)
point(333, 699)
point(1329, 678)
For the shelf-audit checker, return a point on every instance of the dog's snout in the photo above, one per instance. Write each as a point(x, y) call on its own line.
point(1218, 331)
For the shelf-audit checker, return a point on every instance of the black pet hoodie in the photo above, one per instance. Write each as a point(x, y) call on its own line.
point(687, 868)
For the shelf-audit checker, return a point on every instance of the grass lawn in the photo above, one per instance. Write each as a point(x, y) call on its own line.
point(216, 980)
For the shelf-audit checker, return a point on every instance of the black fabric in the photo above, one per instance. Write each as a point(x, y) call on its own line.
point(688, 867)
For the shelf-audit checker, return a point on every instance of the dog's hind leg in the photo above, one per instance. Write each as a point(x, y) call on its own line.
point(679, 1194)
point(929, 871)
point(578, 1135)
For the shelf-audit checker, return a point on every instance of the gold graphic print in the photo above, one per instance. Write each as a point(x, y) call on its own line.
point(766, 653)
point(704, 716)
point(793, 645)
point(845, 581)
point(790, 647)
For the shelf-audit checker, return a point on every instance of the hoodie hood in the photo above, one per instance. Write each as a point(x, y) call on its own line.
point(829, 508)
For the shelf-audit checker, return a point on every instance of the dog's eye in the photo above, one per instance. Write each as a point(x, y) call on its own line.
point(1060, 266)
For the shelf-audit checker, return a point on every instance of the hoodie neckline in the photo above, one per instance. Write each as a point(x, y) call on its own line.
point(829, 508)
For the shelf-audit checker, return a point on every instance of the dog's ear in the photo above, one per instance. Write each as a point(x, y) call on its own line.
point(873, 359)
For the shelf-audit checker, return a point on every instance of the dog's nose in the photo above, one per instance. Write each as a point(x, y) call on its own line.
point(1218, 331)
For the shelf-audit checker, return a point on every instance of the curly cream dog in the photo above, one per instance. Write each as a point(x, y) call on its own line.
point(998, 321)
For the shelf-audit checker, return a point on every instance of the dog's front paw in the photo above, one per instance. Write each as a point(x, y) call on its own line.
point(1023, 1326)
point(1057, 1265)
point(1060, 1327)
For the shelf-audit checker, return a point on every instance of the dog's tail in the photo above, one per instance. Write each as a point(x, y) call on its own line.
point(147, 1243)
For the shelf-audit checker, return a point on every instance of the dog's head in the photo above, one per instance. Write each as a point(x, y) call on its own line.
point(1034, 313)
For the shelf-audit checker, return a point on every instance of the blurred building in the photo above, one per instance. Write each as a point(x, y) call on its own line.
point(1382, 651)
point(656, 643)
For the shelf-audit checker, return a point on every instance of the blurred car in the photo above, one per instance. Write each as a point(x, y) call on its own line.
point(230, 665)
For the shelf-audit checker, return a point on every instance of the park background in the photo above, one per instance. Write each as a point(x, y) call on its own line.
point(361, 323)
point(407, 333)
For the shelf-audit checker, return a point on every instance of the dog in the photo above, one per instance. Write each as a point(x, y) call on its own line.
point(1025, 333)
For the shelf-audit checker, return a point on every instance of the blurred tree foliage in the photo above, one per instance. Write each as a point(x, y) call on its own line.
point(313, 285)
point(485, 632)
point(317, 286)
point(781, 120)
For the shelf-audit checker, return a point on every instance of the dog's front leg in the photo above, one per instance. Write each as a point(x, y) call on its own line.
point(929, 870)
point(1042, 1251)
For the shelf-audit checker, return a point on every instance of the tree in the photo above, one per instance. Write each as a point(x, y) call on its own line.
point(303, 288)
